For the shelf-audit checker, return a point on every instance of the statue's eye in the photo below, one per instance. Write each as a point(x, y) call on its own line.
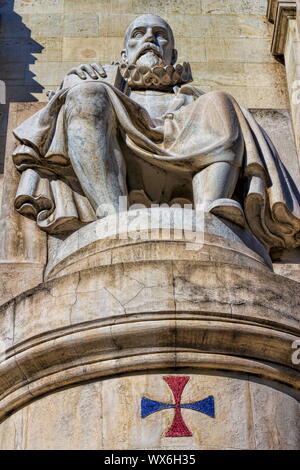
point(138, 34)
point(161, 34)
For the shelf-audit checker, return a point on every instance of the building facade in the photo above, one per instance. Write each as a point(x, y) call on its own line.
point(144, 342)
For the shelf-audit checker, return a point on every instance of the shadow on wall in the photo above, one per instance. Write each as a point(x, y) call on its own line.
point(16, 49)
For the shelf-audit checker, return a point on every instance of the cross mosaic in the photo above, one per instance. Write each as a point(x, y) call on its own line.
point(178, 427)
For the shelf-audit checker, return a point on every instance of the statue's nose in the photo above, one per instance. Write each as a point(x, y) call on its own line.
point(149, 35)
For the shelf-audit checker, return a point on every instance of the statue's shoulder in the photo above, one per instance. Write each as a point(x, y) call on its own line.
point(191, 90)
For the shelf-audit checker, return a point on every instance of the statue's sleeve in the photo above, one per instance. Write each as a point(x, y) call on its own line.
point(49, 191)
point(272, 201)
point(52, 203)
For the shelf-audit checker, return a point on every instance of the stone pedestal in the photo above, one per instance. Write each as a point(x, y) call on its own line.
point(122, 309)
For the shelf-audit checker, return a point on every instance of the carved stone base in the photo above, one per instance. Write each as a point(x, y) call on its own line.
point(155, 235)
point(119, 315)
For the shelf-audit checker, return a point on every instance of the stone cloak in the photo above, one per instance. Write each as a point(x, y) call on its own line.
point(212, 128)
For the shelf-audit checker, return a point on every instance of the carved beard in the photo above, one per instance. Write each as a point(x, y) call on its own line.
point(149, 59)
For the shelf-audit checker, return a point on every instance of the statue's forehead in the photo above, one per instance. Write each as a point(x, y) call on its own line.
point(146, 21)
point(149, 20)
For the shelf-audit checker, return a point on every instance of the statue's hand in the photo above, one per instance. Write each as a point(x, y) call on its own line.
point(85, 71)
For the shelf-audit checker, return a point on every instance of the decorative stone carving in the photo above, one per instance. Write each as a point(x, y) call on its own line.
point(280, 12)
point(158, 77)
point(162, 139)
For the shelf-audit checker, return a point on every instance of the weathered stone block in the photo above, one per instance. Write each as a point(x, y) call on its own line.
point(81, 25)
point(114, 25)
point(225, 7)
point(167, 6)
point(90, 6)
point(51, 50)
point(192, 49)
point(239, 50)
point(36, 6)
point(81, 49)
point(265, 75)
point(39, 24)
point(49, 73)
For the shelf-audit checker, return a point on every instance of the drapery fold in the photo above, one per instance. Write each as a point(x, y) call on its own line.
point(52, 203)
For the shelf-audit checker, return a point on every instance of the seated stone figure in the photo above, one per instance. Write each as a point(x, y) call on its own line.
point(138, 128)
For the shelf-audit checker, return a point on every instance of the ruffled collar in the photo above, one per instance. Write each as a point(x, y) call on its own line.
point(158, 77)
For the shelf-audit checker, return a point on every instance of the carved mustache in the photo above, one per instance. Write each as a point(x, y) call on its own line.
point(148, 46)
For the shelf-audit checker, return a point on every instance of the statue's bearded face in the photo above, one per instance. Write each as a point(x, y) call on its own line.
point(149, 41)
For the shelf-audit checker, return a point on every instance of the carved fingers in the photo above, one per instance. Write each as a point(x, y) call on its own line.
point(99, 69)
point(85, 71)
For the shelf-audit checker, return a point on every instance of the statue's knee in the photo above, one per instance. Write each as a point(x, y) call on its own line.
point(87, 90)
point(219, 95)
point(89, 96)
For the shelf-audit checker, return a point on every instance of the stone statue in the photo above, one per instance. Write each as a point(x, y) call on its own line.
point(138, 128)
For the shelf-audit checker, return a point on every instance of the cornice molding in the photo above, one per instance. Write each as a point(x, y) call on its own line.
point(280, 12)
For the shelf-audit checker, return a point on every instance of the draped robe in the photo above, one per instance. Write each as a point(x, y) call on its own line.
point(198, 130)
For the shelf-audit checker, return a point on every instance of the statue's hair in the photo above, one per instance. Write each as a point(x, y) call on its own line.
point(129, 29)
